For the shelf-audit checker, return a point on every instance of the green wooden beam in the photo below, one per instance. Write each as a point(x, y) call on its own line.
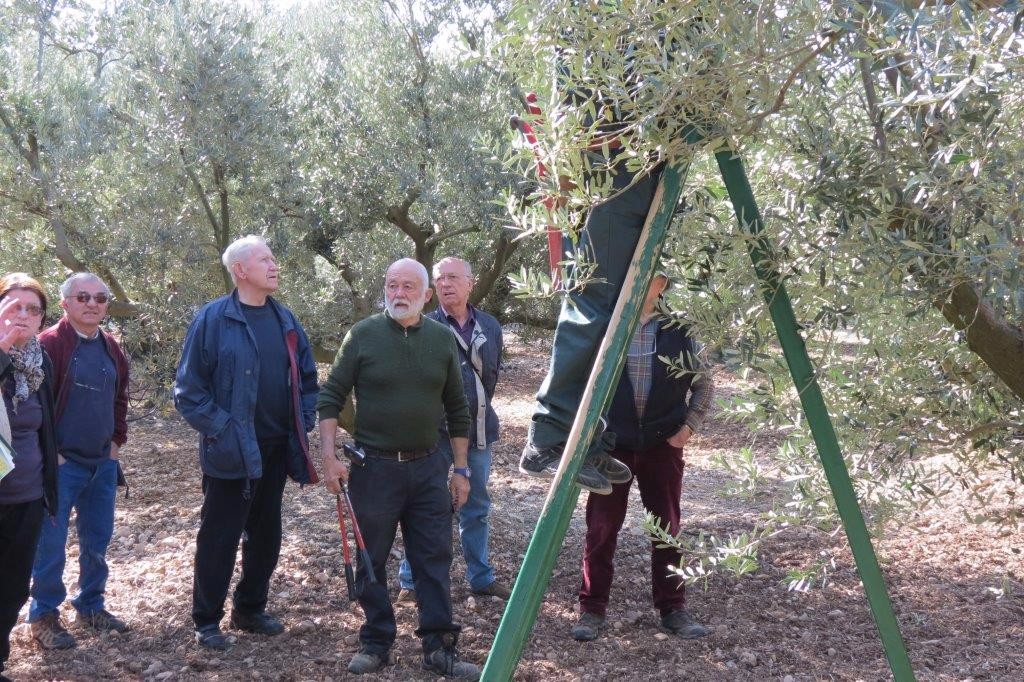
point(800, 368)
point(535, 573)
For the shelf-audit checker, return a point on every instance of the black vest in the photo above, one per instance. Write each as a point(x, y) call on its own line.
point(665, 412)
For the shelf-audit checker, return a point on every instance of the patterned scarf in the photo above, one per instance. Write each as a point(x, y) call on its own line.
point(28, 370)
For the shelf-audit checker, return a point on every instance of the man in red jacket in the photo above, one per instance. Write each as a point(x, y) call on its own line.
point(91, 396)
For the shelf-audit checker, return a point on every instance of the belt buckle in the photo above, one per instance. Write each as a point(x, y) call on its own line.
point(401, 456)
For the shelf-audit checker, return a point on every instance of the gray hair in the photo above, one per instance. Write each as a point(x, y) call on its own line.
point(452, 259)
point(238, 250)
point(67, 289)
point(420, 270)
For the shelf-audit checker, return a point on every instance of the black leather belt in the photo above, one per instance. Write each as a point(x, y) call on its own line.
point(400, 455)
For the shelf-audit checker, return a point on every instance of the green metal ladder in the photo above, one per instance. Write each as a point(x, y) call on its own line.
point(549, 534)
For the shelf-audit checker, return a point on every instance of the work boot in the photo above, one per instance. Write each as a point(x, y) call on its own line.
point(445, 661)
point(102, 621)
point(680, 623)
point(588, 627)
point(406, 595)
point(211, 637)
point(367, 662)
point(495, 589)
point(50, 633)
point(261, 623)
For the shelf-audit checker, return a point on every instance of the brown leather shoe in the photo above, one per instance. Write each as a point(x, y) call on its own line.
point(51, 634)
point(495, 589)
point(102, 621)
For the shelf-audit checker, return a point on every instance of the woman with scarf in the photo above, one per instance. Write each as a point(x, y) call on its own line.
point(26, 380)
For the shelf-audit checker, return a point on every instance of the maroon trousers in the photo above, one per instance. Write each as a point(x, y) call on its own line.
point(658, 471)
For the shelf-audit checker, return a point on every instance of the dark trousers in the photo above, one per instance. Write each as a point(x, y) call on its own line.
point(387, 494)
point(659, 474)
point(609, 238)
point(229, 510)
point(19, 536)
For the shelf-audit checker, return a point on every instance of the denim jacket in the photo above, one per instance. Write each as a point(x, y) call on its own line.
point(215, 390)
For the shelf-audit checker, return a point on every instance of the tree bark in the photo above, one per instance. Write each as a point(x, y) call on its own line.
point(999, 344)
point(503, 248)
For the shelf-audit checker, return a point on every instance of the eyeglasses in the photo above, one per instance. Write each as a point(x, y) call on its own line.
point(84, 297)
point(32, 310)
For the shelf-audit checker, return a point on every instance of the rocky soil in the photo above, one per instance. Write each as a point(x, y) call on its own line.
point(957, 586)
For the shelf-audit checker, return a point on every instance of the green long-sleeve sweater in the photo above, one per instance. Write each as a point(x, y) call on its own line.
point(404, 379)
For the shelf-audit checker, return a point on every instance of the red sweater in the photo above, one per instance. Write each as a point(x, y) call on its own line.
point(59, 341)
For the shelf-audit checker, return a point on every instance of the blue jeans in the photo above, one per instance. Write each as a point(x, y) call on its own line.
point(473, 530)
point(90, 490)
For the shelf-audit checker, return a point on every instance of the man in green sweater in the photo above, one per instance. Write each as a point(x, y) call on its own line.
point(404, 369)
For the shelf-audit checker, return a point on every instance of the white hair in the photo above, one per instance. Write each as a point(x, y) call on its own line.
point(420, 270)
point(238, 250)
point(67, 289)
point(453, 260)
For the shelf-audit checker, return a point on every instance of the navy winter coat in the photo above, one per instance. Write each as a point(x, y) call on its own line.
point(215, 390)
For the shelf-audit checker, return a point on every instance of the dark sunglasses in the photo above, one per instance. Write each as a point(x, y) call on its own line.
point(85, 297)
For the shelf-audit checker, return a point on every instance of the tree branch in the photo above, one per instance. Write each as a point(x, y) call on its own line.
point(999, 344)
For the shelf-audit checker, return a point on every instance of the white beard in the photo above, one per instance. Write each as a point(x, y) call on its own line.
point(413, 310)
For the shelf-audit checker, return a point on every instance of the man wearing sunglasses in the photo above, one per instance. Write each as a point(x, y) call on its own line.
point(91, 395)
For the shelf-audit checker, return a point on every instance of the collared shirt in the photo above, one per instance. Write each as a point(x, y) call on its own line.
point(466, 330)
point(639, 364)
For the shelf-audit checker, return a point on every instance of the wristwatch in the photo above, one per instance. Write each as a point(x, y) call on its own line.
point(463, 471)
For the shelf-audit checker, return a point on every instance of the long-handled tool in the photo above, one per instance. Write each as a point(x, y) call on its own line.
point(553, 233)
point(357, 458)
point(350, 578)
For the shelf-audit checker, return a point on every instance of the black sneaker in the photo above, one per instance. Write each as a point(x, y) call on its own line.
point(210, 637)
point(542, 463)
point(445, 661)
point(612, 469)
point(680, 623)
point(589, 478)
point(261, 623)
point(588, 627)
point(367, 662)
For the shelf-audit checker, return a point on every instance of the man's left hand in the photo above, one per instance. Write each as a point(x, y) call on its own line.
point(459, 488)
point(115, 451)
point(681, 437)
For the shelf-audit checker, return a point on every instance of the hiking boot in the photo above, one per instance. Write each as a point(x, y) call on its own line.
point(588, 627)
point(367, 662)
point(406, 595)
point(495, 589)
point(261, 623)
point(210, 637)
point(445, 661)
point(102, 621)
point(680, 623)
point(612, 469)
point(50, 633)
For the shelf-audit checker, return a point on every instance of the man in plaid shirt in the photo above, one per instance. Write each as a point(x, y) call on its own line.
point(655, 411)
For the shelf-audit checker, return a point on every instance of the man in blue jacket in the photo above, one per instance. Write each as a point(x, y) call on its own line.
point(479, 340)
point(247, 383)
